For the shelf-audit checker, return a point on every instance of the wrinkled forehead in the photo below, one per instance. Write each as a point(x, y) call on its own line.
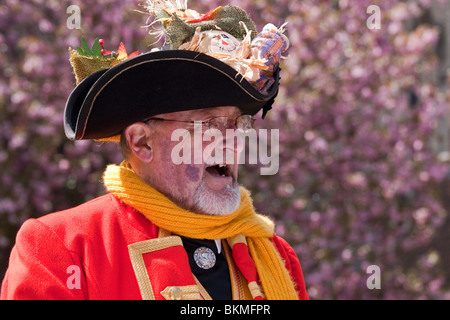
point(200, 114)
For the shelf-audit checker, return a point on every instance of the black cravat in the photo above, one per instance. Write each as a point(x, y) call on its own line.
point(215, 280)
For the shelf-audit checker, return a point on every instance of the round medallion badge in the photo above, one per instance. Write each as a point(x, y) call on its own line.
point(204, 257)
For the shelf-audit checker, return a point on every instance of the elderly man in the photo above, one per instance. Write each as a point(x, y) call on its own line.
point(164, 230)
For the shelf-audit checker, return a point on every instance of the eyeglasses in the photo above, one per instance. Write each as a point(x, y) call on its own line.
point(243, 123)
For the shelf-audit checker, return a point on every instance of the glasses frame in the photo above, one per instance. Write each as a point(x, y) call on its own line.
point(208, 123)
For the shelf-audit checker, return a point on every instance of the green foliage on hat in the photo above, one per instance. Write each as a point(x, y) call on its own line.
point(226, 19)
point(94, 51)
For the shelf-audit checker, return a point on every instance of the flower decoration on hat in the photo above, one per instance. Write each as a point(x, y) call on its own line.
point(86, 60)
point(225, 33)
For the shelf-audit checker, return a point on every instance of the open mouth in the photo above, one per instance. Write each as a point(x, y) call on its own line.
point(219, 170)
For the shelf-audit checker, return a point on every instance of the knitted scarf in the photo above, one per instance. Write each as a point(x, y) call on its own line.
point(247, 233)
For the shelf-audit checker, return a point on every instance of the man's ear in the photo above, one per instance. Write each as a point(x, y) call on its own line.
point(138, 136)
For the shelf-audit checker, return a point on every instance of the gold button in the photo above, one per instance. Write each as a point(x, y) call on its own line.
point(175, 293)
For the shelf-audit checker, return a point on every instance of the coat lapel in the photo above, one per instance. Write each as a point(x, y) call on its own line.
point(162, 270)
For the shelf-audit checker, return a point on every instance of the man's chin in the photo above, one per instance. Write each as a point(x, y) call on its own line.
point(217, 202)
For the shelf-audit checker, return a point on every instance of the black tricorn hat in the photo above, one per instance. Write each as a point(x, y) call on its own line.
point(108, 101)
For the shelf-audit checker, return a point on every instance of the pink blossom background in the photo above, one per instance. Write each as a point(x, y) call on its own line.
point(359, 183)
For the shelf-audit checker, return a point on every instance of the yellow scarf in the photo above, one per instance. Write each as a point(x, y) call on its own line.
point(123, 182)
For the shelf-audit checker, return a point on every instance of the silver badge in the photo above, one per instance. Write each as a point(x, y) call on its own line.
point(204, 257)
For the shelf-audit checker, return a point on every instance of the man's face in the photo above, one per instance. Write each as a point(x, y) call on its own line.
point(205, 184)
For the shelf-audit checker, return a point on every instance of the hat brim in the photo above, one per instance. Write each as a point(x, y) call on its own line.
point(108, 101)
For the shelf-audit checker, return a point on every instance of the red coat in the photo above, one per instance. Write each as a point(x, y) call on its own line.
point(104, 249)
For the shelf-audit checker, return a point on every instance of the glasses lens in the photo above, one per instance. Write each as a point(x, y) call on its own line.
point(245, 122)
point(219, 123)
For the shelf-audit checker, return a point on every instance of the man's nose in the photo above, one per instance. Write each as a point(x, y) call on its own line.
point(233, 140)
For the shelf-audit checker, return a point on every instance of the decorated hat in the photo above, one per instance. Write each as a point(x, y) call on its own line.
point(208, 60)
